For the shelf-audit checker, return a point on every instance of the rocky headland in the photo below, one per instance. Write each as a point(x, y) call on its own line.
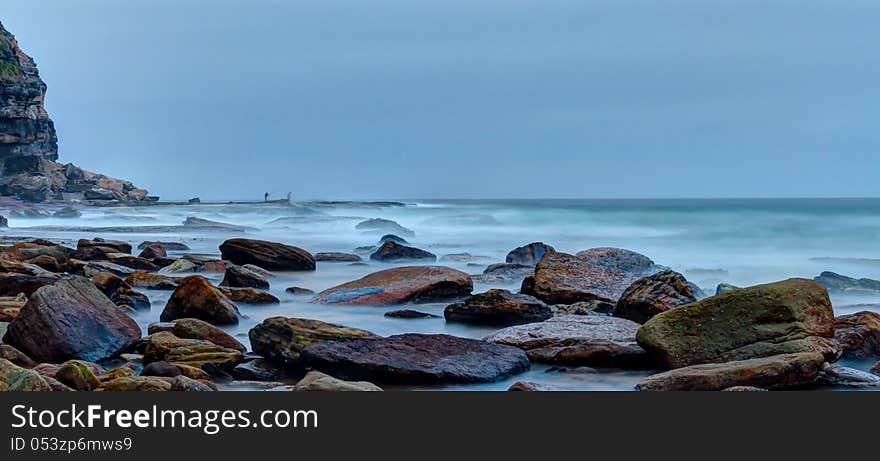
point(29, 167)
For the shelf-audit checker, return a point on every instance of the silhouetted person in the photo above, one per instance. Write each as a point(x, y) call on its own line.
point(266, 197)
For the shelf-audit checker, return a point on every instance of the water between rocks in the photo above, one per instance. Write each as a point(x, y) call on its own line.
point(743, 242)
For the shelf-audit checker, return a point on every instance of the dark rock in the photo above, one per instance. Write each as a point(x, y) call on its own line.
point(18, 283)
point(282, 339)
point(842, 284)
point(118, 245)
point(498, 307)
point(336, 257)
point(257, 370)
point(299, 291)
point(160, 368)
point(858, 335)
point(144, 279)
point(46, 262)
point(132, 262)
point(190, 328)
point(193, 222)
point(195, 297)
point(529, 386)
point(153, 251)
point(410, 284)
point(410, 314)
point(119, 291)
point(530, 254)
point(168, 246)
point(565, 279)
point(393, 251)
point(71, 319)
point(785, 317)
point(4, 223)
point(186, 384)
point(383, 225)
point(392, 238)
point(724, 288)
point(588, 340)
point(94, 267)
point(415, 358)
point(67, 212)
point(268, 255)
point(652, 295)
point(771, 372)
point(249, 295)
point(240, 277)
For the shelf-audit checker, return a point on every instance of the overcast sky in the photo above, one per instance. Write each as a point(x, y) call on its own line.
point(464, 98)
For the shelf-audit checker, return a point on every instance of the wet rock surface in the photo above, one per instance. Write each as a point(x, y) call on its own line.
point(498, 307)
point(589, 340)
point(415, 358)
point(652, 295)
point(268, 255)
point(791, 316)
point(528, 255)
point(71, 319)
point(282, 339)
point(410, 284)
point(772, 372)
point(195, 297)
point(393, 251)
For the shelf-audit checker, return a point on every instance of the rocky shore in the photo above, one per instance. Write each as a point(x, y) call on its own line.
point(66, 320)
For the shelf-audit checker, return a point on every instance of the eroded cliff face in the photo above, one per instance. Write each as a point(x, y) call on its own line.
point(29, 145)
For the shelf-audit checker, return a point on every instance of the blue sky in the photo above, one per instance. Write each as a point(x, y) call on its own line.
point(464, 99)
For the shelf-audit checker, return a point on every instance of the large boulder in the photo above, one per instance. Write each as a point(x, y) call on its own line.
point(498, 307)
point(837, 283)
point(195, 297)
point(281, 339)
point(337, 257)
point(654, 294)
point(393, 251)
point(410, 284)
point(71, 319)
point(416, 358)
point(561, 278)
point(785, 317)
point(315, 381)
point(772, 372)
point(577, 340)
point(240, 277)
point(858, 335)
point(268, 255)
point(119, 291)
point(528, 255)
point(16, 378)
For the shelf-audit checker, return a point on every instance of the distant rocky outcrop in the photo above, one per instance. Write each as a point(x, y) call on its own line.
point(29, 144)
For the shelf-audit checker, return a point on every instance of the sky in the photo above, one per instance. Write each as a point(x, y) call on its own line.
point(395, 99)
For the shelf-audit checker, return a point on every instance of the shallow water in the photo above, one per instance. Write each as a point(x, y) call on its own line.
point(743, 242)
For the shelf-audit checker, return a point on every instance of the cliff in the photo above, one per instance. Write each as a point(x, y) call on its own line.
point(29, 145)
